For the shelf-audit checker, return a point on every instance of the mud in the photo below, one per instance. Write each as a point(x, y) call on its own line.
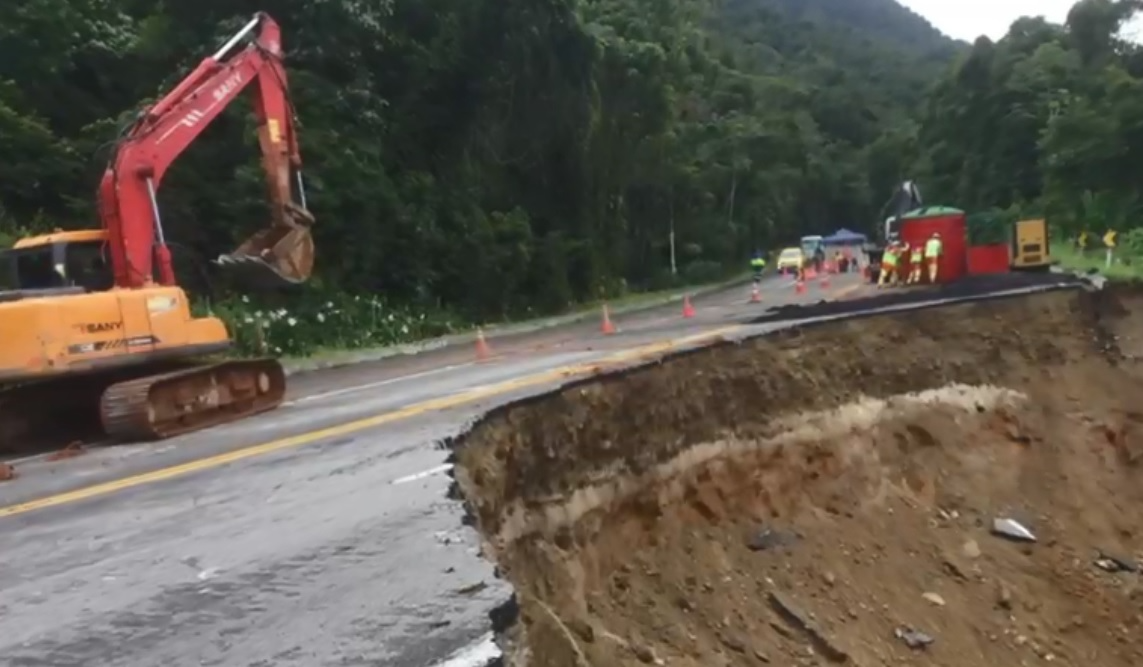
point(821, 496)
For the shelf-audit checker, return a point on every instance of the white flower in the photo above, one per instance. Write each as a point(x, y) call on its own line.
point(245, 299)
point(249, 320)
point(320, 317)
point(404, 328)
point(390, 317)
point(282, 312)
point(329, 304)
point(291, 321)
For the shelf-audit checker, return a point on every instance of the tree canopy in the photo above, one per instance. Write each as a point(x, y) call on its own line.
point(1046, 121)
point(488, 155)
point(503, 157)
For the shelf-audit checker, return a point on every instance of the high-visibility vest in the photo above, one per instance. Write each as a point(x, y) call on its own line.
point(916, 255)
point(758, 263)
point(933, 248)
point(889, 257)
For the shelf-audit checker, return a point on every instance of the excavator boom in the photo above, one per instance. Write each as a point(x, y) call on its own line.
point(280, 253)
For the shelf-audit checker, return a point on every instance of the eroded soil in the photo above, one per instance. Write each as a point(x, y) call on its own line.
point(804, 499)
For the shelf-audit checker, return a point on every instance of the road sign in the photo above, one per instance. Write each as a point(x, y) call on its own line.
point(1109, 238)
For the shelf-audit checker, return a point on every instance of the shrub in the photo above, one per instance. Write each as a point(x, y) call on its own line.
point(305, 327)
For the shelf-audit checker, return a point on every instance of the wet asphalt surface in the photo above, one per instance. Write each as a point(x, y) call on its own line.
point(338, 548)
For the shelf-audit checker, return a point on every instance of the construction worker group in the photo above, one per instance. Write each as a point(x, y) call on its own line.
point(929, 255)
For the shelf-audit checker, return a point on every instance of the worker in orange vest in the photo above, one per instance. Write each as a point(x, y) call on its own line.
point(890, 259)
point(933, 251)
point(916, 260)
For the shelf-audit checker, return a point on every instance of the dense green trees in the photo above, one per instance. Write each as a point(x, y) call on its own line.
point(1048, 120)
point(497, 158)
point(494, 157)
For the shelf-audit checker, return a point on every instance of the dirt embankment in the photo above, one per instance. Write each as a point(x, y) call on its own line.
point(814, 497)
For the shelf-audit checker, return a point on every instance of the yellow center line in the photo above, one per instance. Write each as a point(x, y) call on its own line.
point(640, 353)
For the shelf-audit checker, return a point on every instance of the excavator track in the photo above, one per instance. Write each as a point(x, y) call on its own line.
point(186, 400)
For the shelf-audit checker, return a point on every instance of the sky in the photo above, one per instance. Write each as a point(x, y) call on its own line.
point(968, 19)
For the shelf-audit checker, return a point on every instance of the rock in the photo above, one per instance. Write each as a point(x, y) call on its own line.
point(762, 657)
point(766, 538)
point(1003, 597)
point(644, 653)
point(934, 599)
point(1114, 563)
point(818, 640)
point(1012, 530)
point(914, 639)
point(583, 629)
point(734, 644)
point(971, 549)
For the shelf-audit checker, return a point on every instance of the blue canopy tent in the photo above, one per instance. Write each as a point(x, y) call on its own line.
point(844, 237)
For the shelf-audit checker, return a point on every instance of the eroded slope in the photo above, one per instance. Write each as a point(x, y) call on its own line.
point(630, 513)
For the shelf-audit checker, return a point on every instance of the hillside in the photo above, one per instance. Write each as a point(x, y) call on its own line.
point(482, 157)
point(882, 21)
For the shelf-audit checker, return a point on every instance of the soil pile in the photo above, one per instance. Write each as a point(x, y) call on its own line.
point(828, 496)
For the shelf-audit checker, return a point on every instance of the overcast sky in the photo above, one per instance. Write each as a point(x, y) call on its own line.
point(968, 19)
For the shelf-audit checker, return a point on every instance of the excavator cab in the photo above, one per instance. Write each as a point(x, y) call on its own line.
point(275, 257)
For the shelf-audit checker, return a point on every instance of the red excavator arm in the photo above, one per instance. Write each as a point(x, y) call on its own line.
point(127, 196)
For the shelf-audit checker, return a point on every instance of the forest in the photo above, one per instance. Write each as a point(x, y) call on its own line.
point(477, 160)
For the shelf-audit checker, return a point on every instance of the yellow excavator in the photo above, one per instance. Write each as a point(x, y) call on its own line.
point(96, 333)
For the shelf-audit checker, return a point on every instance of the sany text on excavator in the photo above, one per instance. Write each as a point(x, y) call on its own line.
point(96, 330)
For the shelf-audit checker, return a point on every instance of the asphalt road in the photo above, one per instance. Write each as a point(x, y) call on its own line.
point(318, 535)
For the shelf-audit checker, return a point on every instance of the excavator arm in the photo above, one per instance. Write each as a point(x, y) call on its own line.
point(281, 253)
point(907, 197)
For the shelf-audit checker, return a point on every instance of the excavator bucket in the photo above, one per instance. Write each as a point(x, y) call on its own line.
point(275, 257)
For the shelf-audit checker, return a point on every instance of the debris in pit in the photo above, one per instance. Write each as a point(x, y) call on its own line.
point(818, 640)
point(1112, 563)
point(767, 538)
point(934, 599)
point(1012, 529)
point(914, 639)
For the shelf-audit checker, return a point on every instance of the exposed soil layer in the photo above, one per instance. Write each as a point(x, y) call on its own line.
point(808, 498)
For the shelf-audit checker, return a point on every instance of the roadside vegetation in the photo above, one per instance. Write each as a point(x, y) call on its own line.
point(488, 161)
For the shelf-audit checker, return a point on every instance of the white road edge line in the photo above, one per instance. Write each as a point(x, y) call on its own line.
point(374, 385)
point(423, 474)
point(476, 654)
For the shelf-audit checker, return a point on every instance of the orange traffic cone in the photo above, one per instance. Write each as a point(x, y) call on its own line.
point(688, 309)
point(755, 295)
point(483, 352)
point(606, 326)
point(800, 287)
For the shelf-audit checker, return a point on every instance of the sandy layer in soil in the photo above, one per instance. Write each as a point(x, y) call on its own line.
point(630, 512)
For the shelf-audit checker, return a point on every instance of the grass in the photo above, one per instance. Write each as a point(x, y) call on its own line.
point(1070, 258)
